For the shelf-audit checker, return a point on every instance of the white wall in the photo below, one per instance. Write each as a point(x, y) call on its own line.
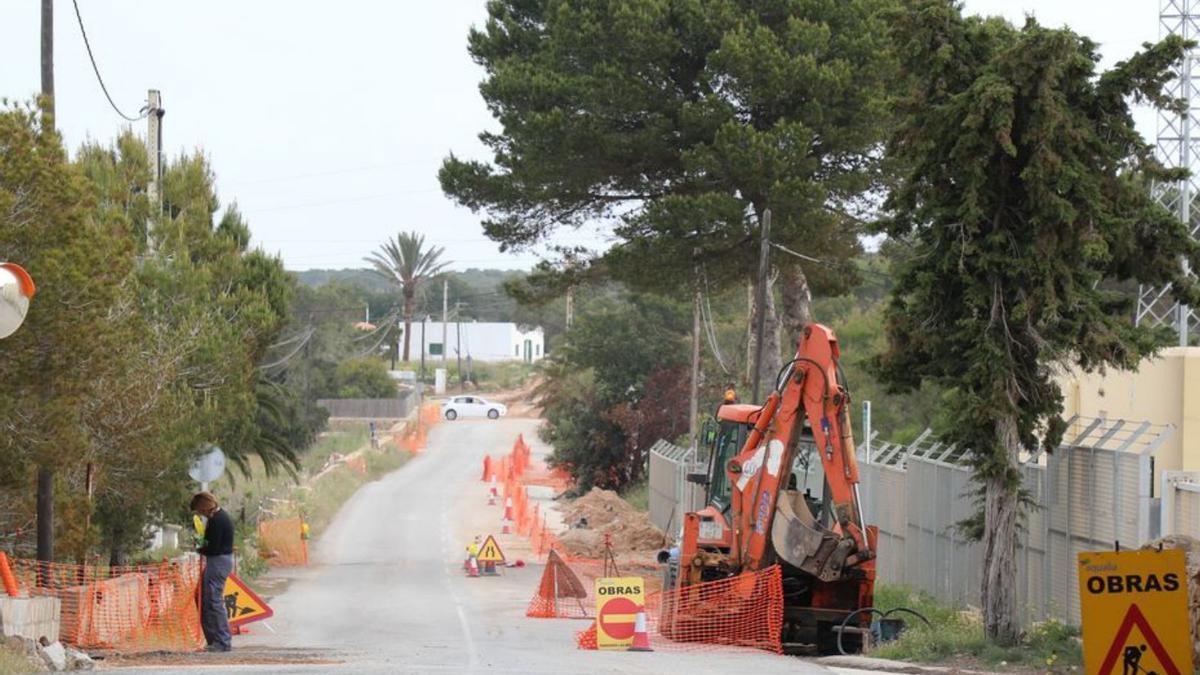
point(482, 341)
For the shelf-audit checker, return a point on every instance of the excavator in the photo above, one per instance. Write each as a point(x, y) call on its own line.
point(761, 509)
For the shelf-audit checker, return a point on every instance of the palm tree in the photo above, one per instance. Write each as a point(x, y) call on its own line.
point(405, 265)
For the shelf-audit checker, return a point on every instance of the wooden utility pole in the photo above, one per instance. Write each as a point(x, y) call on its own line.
point(764, 257)
point(45, 477)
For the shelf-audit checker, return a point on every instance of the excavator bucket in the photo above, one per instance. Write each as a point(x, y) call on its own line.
point(801, 541)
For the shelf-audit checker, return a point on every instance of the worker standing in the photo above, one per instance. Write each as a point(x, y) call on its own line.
point(217, 549)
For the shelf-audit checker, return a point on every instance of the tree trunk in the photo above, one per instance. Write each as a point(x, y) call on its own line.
point(771, 360)
point(797, 302)
point(409, 306)
point(1001, 502)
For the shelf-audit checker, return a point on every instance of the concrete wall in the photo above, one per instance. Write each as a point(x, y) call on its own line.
point(30, 617)
point(1165, 390)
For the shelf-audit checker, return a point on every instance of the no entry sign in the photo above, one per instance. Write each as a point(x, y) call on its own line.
point(618, 601)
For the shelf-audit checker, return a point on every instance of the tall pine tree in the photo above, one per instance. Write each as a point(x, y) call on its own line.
point(1027, 188)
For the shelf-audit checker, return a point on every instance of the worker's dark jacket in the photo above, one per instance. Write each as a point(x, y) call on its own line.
point(218, 535)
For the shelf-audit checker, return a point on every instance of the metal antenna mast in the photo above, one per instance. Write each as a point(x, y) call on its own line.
point(1177, 148)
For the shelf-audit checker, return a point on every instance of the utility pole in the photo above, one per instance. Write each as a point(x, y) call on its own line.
point(764, 257)
point(570, 305)
point(445, 296)
point(45, 477)
point(693, 411)
point(458, 348)
point(424, 321)
point(154, 115)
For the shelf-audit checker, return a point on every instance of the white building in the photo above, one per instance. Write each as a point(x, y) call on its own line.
point(481, 341)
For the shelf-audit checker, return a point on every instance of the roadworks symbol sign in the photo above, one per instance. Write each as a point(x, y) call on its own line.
point(490, 551)
point(1135, 613)
point(243, 605)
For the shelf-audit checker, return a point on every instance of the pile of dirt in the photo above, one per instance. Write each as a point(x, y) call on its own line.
point(1192, 549)
point(606, 513)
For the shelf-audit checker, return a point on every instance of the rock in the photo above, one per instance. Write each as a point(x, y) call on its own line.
point(77, 660)
point(55, 656)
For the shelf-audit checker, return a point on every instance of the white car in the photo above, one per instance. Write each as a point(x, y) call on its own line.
point(472, 406)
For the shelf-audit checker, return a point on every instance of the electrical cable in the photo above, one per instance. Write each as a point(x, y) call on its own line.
point(291, 355)
point(96, 68)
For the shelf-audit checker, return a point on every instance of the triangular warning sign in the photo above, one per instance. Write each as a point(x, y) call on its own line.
point(1134, 617)
point(490, 551)
point(243, 605)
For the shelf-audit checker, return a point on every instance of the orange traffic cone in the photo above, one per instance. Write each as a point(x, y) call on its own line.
point(506, 528)
point(508, 508)
point(473, 568)
point(493, 488)
point(641, 639)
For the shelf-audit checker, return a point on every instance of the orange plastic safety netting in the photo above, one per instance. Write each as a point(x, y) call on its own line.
point(129, 608)
point(741, 611)
point(282, 542)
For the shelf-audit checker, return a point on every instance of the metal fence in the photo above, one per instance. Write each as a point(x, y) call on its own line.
point(671, 495)
point(1181, 503)
point(1094, 490)
point(370, 408)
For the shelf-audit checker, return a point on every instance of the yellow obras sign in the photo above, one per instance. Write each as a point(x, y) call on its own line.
point(618, 602)
point(1135, 613)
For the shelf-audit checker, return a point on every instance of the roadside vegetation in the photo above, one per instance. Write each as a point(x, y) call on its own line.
point(956, 637)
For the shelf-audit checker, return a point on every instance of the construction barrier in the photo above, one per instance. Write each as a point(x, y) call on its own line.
point(741, 611)
point(132, 608)
point(281, 542)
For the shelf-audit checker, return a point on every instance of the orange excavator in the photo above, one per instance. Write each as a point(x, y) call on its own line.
point(761, 509)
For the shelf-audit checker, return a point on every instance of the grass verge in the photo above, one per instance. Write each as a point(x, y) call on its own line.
point(13, 662)
point(956, 637)
point(637, 494)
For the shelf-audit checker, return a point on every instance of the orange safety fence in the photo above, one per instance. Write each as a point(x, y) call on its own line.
point(282, 542)
point(741, 611)
point(357, 463)
point(132, 608)
point(416, 432)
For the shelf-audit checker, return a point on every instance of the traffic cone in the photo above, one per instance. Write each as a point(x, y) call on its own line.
point(641, 639)
point(495, 493)
point(473, 569)
point(508, 508)
point(506, 528)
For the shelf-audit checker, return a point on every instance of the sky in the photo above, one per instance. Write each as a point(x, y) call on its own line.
point(327, 122)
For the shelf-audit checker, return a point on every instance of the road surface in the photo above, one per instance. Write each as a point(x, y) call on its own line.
point(386, 593)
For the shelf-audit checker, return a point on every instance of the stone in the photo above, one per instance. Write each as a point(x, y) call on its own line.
point(55, 656)
point(77, 660)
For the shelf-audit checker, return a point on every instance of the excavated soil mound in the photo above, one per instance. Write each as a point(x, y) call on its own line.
point(606, 513)
point(1192, 549)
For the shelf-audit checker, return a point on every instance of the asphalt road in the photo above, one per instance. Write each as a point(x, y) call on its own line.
point(386, 592)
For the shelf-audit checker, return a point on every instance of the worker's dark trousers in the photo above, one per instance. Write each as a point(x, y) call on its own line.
point(213, 617)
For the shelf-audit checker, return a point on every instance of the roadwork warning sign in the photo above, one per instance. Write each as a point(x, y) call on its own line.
point(490, 551)
point(618, 601)
point(1135, 613)
point(243, 605)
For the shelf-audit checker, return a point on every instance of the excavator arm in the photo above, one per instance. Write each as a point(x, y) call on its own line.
point(769, 520)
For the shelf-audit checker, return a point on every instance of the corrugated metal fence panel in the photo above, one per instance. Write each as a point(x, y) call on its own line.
point(662, 489)
point(369, 408)
point(1181, 503)
point(885, 505)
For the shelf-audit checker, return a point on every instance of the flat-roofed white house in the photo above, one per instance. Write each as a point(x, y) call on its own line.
point(482, 341)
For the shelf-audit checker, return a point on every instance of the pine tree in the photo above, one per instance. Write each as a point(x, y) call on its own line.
point(1026, 188)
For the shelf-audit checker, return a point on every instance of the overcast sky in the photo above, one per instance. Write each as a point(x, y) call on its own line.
point(327, 122)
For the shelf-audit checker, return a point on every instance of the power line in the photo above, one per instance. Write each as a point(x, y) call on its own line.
point(96, 68)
